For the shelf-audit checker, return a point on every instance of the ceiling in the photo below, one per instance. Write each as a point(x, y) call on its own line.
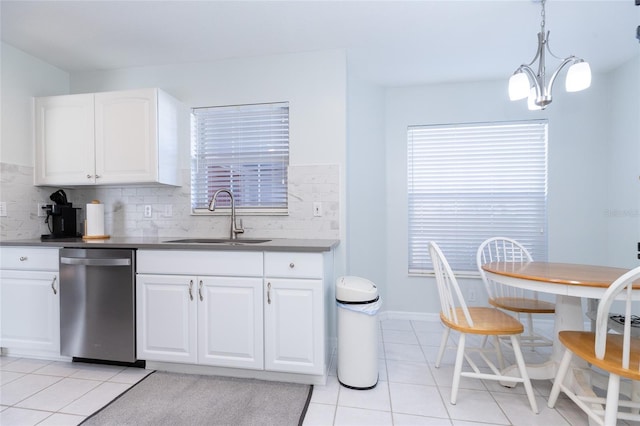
point(391, 43)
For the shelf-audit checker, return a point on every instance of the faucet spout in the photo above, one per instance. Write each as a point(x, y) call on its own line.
point(234, 229)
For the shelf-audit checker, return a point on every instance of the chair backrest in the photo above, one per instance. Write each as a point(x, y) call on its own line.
point(448, 288)
point(501, 249)
point(622, 285)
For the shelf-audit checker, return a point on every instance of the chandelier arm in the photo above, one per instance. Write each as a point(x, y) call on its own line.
point(539, 51)
point(557, 71)
point(533, 78)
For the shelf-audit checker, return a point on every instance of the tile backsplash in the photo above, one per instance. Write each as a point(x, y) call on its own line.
point(171, 208)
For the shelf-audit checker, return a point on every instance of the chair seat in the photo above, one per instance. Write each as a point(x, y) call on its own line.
point(486, 321)
point(524, 305)
point(582, 344)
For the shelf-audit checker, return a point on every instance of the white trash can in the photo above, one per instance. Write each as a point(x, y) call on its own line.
point(358, 303)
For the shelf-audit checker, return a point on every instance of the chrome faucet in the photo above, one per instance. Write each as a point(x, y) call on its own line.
point(235, 230)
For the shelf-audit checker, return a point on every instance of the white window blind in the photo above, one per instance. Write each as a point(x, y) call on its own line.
point(470, 182)
point(244, 148)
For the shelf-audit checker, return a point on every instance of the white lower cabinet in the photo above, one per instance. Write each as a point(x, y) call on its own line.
point(294, 317)
point(200, 320)
point(294, 326)
point(30, 301)
point(250, 310)
point(230, 322)
point(211, 316)
point(166, 318)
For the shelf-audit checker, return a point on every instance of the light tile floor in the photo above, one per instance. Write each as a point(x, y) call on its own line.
point(411, 391)
point(39, 392)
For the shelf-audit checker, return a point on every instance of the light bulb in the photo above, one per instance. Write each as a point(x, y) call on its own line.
point(518, 86)
point(578, 77)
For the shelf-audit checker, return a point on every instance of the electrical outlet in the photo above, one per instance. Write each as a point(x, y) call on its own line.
point(168, 210)
point(472, 295)
point(41, 209)
point(147, 210)
point(317, 209)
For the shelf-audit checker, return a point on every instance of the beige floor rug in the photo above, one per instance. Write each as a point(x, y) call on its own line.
point(186, 399)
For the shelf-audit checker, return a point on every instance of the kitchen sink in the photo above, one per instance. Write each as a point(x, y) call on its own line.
point(217, 241)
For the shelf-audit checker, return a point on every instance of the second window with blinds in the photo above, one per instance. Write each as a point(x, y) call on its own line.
point(244, 148)
point(470, 182)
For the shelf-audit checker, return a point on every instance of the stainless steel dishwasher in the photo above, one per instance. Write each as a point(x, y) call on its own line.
point(97, 304)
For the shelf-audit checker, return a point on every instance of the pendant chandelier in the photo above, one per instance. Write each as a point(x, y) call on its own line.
point(526, 83)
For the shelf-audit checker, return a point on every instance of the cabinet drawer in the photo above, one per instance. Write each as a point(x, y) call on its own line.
point(178, 262)
point(29, 258)
point(298, 265)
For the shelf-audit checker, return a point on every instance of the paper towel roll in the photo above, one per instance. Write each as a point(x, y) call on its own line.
point(95, 219)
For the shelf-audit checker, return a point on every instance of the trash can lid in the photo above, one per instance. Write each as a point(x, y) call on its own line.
point(355, 289)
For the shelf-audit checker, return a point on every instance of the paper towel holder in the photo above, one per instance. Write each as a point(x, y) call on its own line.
point(93, 237)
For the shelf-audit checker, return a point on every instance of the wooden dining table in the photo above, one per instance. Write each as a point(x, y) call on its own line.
point(569, 283)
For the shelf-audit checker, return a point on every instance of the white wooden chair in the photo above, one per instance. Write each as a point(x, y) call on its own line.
point(509, 298)
point(617, 354)
point(484, 321)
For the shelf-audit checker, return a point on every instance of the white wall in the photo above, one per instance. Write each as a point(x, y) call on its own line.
point(622, 213)
point(366, 175)
point(577, 171)
point(24, 77)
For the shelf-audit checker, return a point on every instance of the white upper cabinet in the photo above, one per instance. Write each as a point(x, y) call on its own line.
point(123, 137)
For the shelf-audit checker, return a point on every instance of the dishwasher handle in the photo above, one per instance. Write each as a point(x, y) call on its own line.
point(95, 262)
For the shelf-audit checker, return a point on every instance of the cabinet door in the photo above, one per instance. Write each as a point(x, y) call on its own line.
point(64, 135)
point(294, 327)
point(30, 311)
point(126, 136)
point(230, 322)
point(166, 313)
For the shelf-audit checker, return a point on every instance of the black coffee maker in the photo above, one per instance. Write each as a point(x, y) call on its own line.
point(62, 218)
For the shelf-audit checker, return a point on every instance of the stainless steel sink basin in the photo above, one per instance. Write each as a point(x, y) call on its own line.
point(216, 241)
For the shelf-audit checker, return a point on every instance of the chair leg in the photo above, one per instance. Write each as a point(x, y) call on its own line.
point(613, 393)
point(457, 370)
point(496, 341)
point(635, 395)
point(557, 383)
point(531, 332)
point(443, 345)
point(523, 373)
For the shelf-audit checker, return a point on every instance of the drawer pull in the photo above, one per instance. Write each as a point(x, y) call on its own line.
point(191, 290)
point(292, 265)
point(200, 291)
point(53, 286)
point(23, 258)
point(89, 177)
point(269, 293)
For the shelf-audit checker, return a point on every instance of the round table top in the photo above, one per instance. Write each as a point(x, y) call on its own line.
point(560, 273)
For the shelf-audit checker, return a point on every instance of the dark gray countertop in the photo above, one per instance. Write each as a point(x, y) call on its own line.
point(276, 244)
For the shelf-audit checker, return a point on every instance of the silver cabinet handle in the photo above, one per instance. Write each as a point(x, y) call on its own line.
point(200, 291)
point(53, 286)
point(292, 265)
point(23, 258)
point(98, 176)
point(89, 176)
point(269, 293)
point(191, 290)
